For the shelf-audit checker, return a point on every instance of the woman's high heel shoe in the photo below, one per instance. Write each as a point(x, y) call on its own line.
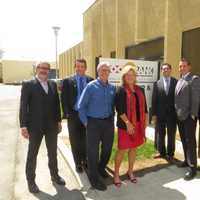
point(132, 179)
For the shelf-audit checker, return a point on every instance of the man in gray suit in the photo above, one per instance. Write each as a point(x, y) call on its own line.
point(187, 95)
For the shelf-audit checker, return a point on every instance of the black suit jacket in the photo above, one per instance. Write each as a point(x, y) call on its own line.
point(162, 104)
point(39, 111)
point(69, 94)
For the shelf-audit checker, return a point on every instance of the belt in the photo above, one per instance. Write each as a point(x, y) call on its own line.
point(106, 118)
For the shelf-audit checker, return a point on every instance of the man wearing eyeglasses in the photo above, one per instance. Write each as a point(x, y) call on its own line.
point(96, 111)
point(40, 116)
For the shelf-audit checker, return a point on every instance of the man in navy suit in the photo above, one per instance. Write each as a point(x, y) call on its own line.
point(163, 112)
point(71, 92)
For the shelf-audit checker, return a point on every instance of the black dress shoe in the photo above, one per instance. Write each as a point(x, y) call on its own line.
point(32, 187)
point(79, 169)
point(84, 165)
point(182, 164)
point(99, 186)
point(57, 179)
point(104, 173)
point(170, 159)
point(190, 174)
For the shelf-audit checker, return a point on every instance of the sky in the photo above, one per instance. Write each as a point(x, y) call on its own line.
point(26, 27)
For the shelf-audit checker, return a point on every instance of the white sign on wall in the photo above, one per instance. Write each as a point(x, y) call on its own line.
point(147, 73)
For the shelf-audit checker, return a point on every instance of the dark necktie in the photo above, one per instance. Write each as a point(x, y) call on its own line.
point(167, 86)
point(81, 84)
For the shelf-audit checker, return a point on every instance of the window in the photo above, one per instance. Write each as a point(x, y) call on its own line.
point(113, 54)
point(150, 50)
point(191, 48)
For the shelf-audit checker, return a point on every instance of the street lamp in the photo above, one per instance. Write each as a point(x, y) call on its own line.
point(56, 29)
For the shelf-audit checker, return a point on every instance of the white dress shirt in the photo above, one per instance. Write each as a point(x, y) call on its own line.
point(44, 85)
point(165, 84)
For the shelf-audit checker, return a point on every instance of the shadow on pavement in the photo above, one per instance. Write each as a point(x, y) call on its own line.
point(151, 185)
point(139, 173)
point(62, 193)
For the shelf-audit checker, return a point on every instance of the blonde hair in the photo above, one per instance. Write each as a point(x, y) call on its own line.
point(130, 66)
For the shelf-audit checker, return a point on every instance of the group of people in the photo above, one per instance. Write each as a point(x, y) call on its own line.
point(176, 103)
point(89, 107)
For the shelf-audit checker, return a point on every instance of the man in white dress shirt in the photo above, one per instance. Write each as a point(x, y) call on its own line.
point(163, 112)
point(40, 116)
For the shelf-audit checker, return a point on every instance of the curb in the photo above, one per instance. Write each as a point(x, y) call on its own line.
point(66, 153)
point(150, 133)
point(82, 178)
point(179, 148)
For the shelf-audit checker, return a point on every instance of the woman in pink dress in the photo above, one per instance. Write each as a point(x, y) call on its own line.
point(131, 121)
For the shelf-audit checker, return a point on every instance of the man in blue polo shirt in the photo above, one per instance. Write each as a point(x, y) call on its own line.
point(96, 111)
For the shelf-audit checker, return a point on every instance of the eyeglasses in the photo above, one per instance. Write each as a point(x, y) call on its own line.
point(105, 70)
point(166, 69)
point(44, 68)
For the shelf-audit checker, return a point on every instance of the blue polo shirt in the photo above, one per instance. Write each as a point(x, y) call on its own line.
point(97, 101)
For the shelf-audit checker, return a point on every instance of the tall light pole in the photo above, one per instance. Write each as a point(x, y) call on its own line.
point(56, 29)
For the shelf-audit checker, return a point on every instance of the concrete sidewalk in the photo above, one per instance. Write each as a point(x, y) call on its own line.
point(13, 151)
point(161, 182)
point(48, 190)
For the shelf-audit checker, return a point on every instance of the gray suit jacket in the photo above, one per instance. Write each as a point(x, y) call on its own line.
point(187, 96)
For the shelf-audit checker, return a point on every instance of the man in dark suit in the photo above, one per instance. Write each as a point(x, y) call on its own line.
point(71, 92)
point(163, 112)
point(40, 116)
point(187, 94)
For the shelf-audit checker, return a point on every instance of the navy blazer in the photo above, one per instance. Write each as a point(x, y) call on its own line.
point(69, 94)
point(163, 104)
point(39, 111)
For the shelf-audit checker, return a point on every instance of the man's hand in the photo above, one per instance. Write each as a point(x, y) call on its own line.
point(154, 120)
point(193, 117)
point(59, 127)
point(25, 133)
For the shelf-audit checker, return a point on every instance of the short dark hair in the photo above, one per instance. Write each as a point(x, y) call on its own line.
point(81, 61)
point(167, 65)
point(185, 60)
